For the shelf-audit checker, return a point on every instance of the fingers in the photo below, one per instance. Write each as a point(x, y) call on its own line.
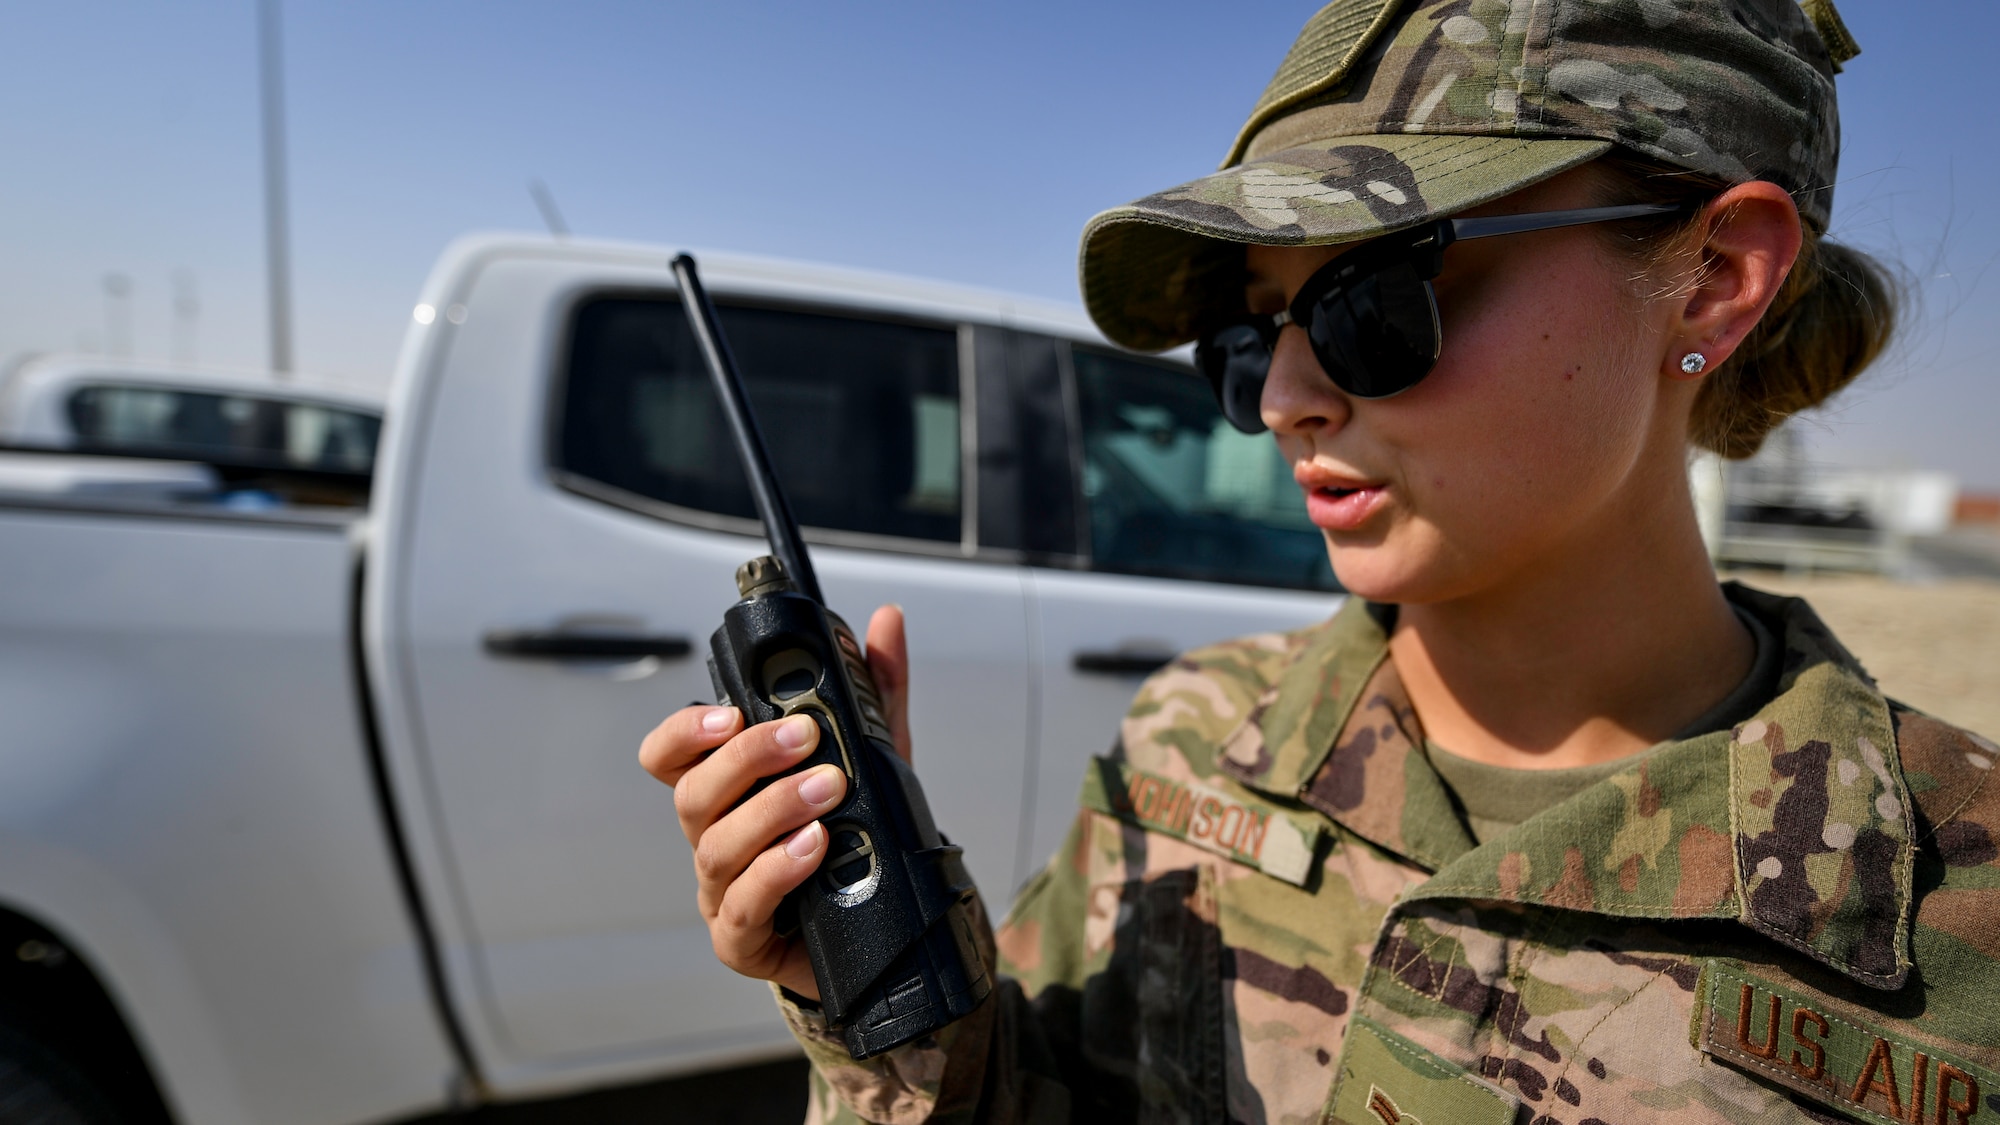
point(736, 843)
point(708, 788)
point(889, 663)
point(739, 926)
point(888, 649)
point(669, 749)
point(747, 857)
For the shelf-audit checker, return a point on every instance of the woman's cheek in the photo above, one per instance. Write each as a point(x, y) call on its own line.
point(1505, 449)
point(1488, 480)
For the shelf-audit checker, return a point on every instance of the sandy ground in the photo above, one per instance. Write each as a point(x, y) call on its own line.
point(1935, 646)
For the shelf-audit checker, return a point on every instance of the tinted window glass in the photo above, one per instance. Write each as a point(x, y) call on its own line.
point(229, 429)
point(1174, 490)
point(1027, 489)
point(861, 416)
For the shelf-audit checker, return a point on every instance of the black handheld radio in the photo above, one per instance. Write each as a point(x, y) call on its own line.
point(884, 919)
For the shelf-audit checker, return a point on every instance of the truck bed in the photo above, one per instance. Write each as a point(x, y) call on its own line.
point(188, 784)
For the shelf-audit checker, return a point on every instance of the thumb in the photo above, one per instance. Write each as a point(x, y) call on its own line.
point(889, 663)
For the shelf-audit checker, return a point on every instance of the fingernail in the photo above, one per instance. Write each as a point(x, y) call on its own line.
point(820, 786)
point(718, 719)
point(794, 732)
point(804, 841)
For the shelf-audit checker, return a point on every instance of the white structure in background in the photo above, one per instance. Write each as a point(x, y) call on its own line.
point(123, 408)
point(1779, 509)
point(1899, 501)
point(1708, 480)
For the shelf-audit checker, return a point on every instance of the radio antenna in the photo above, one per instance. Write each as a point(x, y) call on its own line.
point(779, 526)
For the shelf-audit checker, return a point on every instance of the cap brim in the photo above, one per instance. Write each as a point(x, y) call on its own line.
point(1154, 272)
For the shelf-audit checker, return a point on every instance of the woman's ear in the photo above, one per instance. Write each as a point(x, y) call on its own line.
point(1750, 238)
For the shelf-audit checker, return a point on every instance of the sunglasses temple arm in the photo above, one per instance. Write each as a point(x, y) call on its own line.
point(1490, 225)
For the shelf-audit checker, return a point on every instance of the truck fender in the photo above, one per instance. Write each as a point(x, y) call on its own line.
point(136, 961)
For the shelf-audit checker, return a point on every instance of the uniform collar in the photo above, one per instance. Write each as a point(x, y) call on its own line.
point(1796, 824)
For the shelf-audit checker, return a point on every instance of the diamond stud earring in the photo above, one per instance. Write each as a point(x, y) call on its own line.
point(1694, 363)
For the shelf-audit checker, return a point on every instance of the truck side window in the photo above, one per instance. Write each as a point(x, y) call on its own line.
point(1174, 491)
point(861, 416)
point(1027, 490)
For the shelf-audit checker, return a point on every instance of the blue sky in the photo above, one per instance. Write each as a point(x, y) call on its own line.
point(958, 141)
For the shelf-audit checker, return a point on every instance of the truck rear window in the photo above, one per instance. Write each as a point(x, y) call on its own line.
point(861, 416)
point(226, 429)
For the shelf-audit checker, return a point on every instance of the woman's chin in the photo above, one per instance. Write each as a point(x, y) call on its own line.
point(1380, 572)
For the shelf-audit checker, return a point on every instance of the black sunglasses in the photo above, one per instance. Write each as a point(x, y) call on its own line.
point(1371, 313)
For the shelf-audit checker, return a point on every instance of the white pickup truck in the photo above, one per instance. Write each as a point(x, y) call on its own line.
point(324, 812)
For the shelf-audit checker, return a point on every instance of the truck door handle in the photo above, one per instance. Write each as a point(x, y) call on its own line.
point(1121, 662)
point(573, 646)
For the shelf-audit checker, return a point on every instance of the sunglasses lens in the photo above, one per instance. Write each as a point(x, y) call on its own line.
point(1378, 335)
point(1236, 359)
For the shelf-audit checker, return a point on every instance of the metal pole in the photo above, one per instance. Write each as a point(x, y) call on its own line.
point(118, 315)
point(545, 202)
point(187, 315)
point(277, 242)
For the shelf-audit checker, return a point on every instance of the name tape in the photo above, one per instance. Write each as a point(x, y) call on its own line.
point(1233, 827)
point(1799, 1042)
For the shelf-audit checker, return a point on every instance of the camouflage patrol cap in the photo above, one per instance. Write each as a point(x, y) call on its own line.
point(1387, 113)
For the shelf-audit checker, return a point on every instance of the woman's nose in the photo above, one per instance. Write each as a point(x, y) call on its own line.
point(1298, 396)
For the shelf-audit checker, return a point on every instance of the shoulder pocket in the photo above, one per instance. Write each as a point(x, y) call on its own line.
point(1387, 1080)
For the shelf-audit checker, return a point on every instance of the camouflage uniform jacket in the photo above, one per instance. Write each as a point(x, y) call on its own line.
point(1269, 910)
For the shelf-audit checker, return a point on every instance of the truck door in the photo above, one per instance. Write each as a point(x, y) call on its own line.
point(566, 520)
point(1188, 533)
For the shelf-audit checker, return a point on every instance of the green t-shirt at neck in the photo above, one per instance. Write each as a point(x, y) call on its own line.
point(1496, 798)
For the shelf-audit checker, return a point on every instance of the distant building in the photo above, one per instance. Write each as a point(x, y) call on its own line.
point(1977, 509)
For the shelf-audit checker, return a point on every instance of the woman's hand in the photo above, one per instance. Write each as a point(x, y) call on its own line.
point(747, 857)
